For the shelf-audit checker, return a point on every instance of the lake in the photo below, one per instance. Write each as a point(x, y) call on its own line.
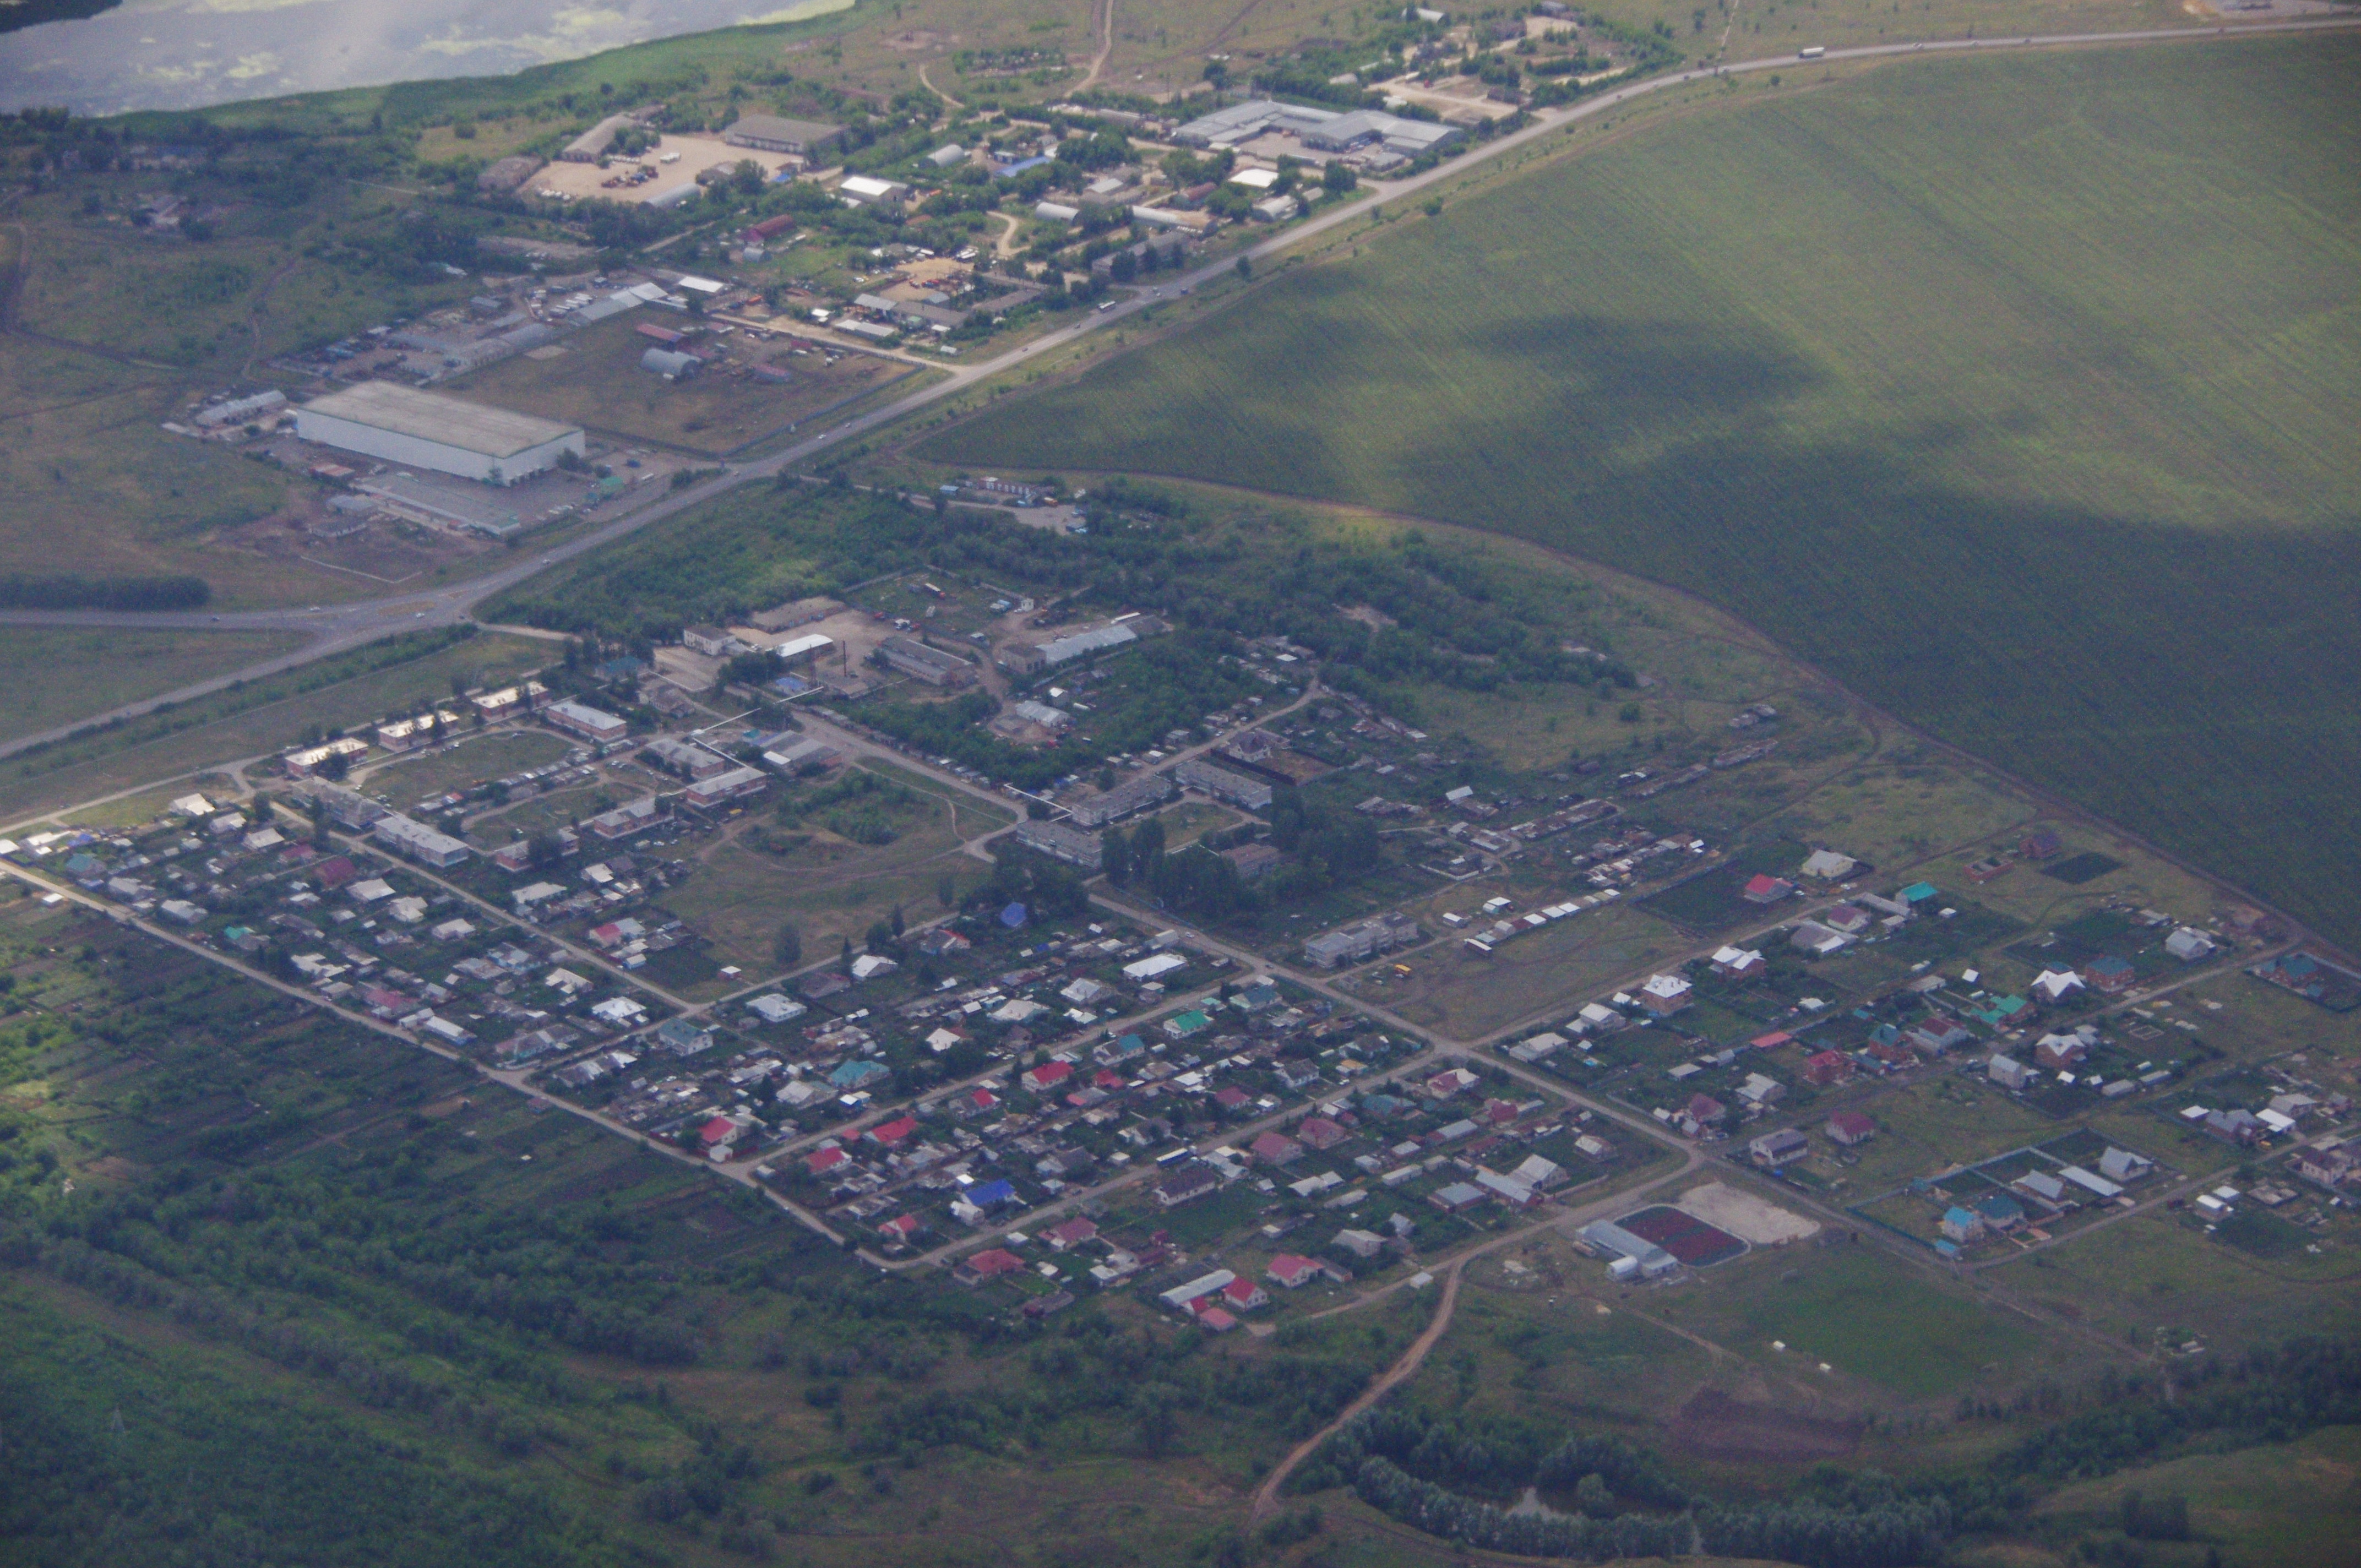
point(186, 54)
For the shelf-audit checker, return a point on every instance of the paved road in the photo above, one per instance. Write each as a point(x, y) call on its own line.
point(335, 627)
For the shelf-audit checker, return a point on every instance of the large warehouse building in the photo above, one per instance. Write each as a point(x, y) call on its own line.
point(425, 430)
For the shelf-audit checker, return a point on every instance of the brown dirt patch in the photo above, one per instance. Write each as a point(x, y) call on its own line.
point(1715, 1426)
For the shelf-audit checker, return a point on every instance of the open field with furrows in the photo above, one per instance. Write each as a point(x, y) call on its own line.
point(73, 673)
point(2016, 394)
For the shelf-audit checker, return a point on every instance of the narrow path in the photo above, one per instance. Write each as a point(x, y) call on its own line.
point(1104, 17)
point(1265, 1495)
point(928, 84)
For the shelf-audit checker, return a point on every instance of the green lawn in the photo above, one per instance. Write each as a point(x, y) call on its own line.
point(2019, 394)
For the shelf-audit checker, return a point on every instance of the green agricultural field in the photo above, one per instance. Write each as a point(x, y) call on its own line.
point(87, 672)
point(2018, 394)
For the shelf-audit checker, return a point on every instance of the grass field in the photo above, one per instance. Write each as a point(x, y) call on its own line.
point(2018, 394)
point(90, 672)
point(831, 888)
point(2296, 1504)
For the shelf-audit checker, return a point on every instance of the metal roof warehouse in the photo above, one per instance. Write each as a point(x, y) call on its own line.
point(427, 430)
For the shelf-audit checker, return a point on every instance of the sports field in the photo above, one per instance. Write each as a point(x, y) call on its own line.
point(2020, 394)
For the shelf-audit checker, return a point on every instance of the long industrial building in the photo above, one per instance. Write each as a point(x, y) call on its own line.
point(426, 430)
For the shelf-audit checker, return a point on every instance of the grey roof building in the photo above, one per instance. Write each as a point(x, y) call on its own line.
point(929, 664)
point(1223, 784)
point(1362, 939)
point(1138, 795)
point(1060, 842)
point(770, 132)
point(1029, 657)
point(1323, 130)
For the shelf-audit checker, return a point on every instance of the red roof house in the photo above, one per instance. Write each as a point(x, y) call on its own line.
point(1289, 1271)
point(1048, 1075)
point(895, 1132)
point(1827, 1067)
point(1851, 1128)
point(1320, 1132)
point(1276, 1148)
point(1072, 1232)
point(819, 1162)
point(1244, 1296)
point(990, 1264)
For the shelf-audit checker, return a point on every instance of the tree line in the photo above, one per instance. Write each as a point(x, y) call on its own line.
point(67, 590)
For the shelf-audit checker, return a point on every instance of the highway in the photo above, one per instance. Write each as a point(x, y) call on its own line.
point(332, 629)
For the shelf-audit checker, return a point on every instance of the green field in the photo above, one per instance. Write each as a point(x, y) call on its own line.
point(2018, 394)
point(87, 672)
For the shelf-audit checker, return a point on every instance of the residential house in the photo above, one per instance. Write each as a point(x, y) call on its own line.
point(1850, 1128)
point(1772, 1150)
point(1242, 1295)
point(1068, 1234)
point(2109, 975)
point(1320, 1132)
point(1186, 1184)
point(1739, 963)
point(1767, 889)
point(1290, 1271)
point(2121, 1164)
point(2052, 986)
point(1664, 994)
point(1457, 1198)
point(1813, 937)
point(1364, 1245)
point(1961, 1226)
point(2190, 944)
point(1827, 865)
point(2008, 1072)
point(992, 1262)
point(1276, 1149)
point(683, 1037)
point(1825, 1068)
point(2055, 1051)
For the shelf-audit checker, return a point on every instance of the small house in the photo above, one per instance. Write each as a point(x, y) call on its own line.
point(1850, 1128)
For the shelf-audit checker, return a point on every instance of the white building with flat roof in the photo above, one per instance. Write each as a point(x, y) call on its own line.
point(427, 430)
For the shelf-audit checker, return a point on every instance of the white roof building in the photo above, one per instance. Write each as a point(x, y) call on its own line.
point(427, 430)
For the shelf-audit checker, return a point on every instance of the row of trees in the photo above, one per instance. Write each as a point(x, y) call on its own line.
point(65, 590)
